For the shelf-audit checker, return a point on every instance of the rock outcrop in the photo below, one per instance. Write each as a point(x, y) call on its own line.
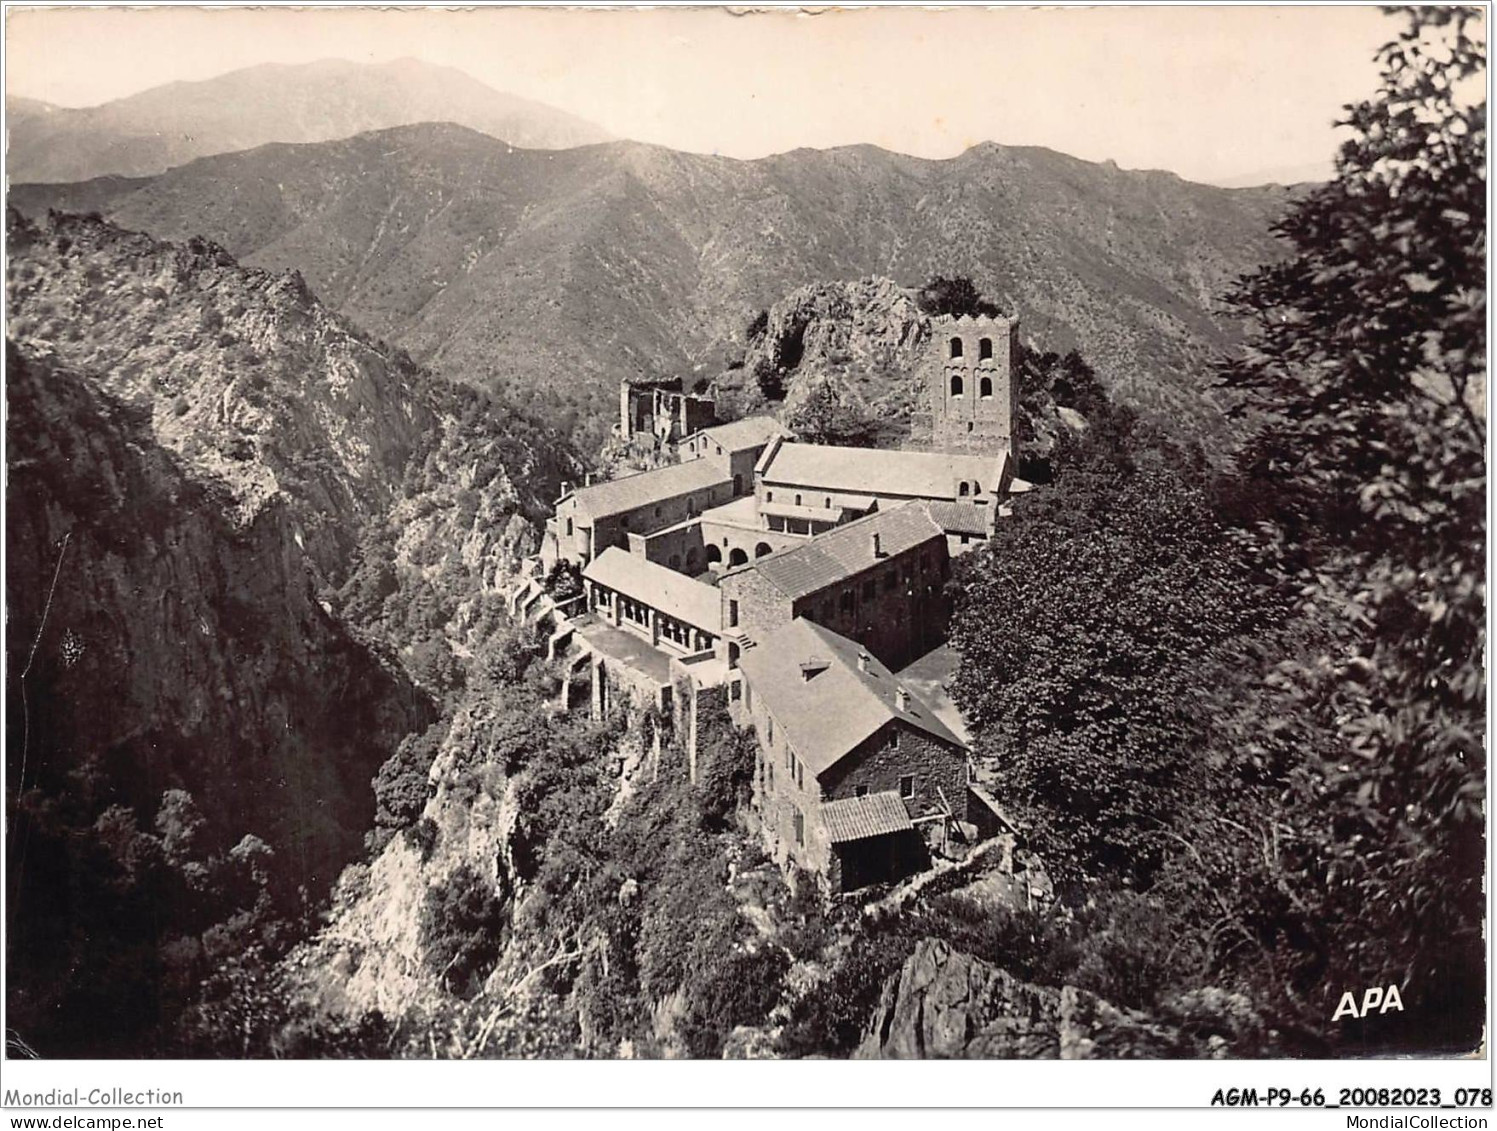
point(255, 385)
point(948, 1005)
point(202, 463)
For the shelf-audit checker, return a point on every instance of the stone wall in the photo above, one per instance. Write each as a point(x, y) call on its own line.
point(900, 749)
point(590, 537)
point(727, 537)
point(677, 547)
point(782, 794)
point(896, 609)
point(762, 608)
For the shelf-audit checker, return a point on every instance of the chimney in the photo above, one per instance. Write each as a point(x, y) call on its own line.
point(566, 488)
point(901, 700)
point(587, 479)
point(878, 546)
point(863, 657)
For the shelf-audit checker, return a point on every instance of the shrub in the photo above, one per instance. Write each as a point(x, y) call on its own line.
point(402, 786)
point(957, 295)
point(423, 837)
point(463, 922)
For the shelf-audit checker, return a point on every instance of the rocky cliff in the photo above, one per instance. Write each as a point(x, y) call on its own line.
point(945, 1004)
point(204, 464)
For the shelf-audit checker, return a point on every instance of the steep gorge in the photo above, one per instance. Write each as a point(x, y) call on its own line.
point(200, 457)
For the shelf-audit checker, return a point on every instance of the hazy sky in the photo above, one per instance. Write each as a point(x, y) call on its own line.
point(1212, 93)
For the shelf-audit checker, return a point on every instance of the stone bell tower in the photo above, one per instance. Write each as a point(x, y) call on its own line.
point(970, 383)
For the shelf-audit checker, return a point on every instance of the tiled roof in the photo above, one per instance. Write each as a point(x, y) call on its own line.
point(928, 475)
point(962, 518)
point(679, 596)
point(615, 496)
point(847, 550)
point(829, 715)
point(854, 818)
point(750, 432)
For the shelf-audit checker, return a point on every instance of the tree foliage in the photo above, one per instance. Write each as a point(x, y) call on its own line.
point(1255, 694)
point(1366, 377)
point(829, 414)
point(957, 295)
point(1084, 626)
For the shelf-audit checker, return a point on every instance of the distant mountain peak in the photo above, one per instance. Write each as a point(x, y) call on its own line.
point(166, 126)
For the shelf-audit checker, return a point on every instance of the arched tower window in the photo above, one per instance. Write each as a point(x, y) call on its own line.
point(956, 347)
point(963, 489)
point(985, 386)
point(984, 349)
point(956, 384)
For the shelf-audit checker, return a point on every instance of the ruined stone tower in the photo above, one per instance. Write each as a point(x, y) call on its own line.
point(970, 383)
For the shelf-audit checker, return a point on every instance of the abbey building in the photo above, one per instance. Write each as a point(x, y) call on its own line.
point(797, 580)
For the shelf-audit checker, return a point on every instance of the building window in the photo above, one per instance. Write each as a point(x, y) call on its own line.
point(907, 787)
point(748, 696)
point(769, 773)
point(869, 589)
point(738, 484)
point(985, 387)
point(735, 691)
point(956, 347)
point(797, 500)
point(691, 558)
point(963, 490)
point(891, 581)
point(675, 561)
point(657, 512)
point(892, 742)
point(966, 538)
point(732, 614)
point(769, 496)
point(847, 600)
point(769, 729)
point(799, 822)
point(860, 791)
point(984, 349)
point(569, 528)
point(828, 502)
point(956, 384)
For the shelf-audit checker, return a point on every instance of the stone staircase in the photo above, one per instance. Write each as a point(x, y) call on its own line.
point(529, 603)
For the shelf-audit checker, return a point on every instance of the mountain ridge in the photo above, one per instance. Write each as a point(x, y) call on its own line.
point(550, 275)
point(162, 127)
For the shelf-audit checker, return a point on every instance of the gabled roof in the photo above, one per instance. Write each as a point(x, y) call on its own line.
point(880, 471)
point(675, 594)
point(616, 496)
point(826, 717)
point(740, 435)
point(846, 550)
point(962, 518)
point(855, 818)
